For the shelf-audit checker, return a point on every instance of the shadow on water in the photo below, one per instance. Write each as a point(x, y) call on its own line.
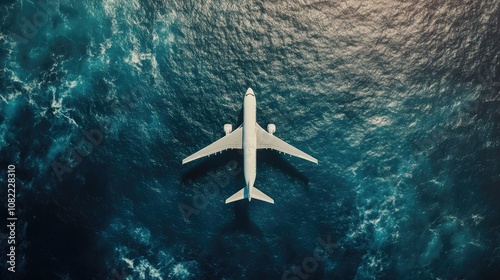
point(242, 241)
point(213, 163)
point(241, 221)
point(273, 158)
point(240, 116)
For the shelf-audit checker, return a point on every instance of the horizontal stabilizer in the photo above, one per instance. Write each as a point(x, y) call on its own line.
point(241, 194)
point(261, 196)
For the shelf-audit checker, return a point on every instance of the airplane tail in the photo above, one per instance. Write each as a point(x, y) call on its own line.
point(237, 196)
point(243, 193)
point(261, 196)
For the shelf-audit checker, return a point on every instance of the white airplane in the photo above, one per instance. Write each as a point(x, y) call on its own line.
point(249, 136)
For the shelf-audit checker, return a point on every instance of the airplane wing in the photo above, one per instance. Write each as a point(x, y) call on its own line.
point(265, 140)
point(230, 141)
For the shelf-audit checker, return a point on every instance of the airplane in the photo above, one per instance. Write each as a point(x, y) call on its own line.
point(249, 136)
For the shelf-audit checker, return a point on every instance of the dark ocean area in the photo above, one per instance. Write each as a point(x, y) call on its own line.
point(398, 100)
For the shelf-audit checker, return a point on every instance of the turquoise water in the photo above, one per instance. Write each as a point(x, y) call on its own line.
point(101, 100)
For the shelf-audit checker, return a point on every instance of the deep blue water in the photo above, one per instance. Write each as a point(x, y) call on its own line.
point(399, 101)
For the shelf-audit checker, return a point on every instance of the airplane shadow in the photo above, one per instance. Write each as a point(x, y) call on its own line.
point(241, 221)
point(240, 116)
point(214, 162)
point(276, 160)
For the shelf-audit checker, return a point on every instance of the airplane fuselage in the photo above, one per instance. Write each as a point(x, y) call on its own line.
point(249, 140)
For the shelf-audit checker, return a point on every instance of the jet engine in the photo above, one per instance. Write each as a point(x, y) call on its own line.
point(228, 128)
point(271, 128)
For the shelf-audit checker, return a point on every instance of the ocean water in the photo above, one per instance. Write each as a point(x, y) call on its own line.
point(398, 100)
